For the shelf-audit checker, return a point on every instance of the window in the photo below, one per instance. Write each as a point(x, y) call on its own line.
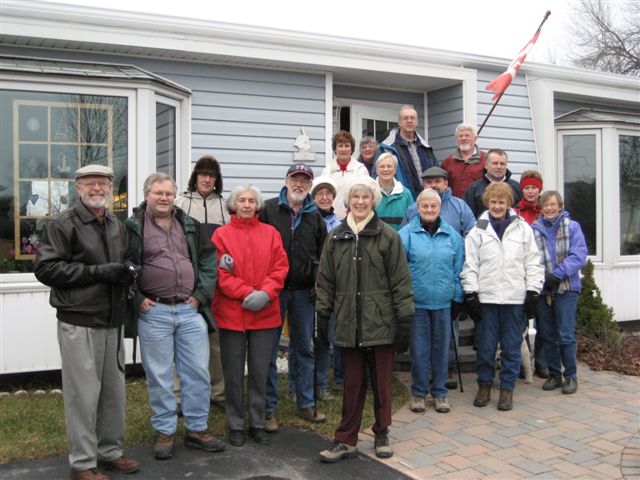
point(629, 158)
point(45, 138)
point(166, 139)
point(580, 189)
point(600, 171)
point(50, 126)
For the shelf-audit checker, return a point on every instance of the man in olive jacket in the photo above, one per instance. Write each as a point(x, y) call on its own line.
point(172, 304)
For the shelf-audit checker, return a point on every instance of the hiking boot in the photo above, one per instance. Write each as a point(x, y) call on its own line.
point(122, 465)
point(569, 386)
point(260, 436)
point(381, 444)
point(451, 384)
point(483, 396)
point(417, 404)
point(506, 400)
point(203, 441)
point(270, 423)
point(554, 381)
point(163, 448)
point(90, 474)
point(325, 395)
point(442, 405)
point(309, 415)
point(236, 438)
point(337, 452)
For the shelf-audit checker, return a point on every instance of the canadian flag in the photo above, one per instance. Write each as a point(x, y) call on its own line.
point(500, 84)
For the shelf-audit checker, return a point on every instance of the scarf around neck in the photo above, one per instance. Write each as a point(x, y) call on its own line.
point(358, 227)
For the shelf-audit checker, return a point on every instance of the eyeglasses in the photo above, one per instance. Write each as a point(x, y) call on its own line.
point(100, 183)
point(324, 194)
point(163, 194)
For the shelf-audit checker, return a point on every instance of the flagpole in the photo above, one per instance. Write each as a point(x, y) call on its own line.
point(495, 104)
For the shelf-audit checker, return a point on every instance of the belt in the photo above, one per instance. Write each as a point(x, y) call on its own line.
point(169, 301)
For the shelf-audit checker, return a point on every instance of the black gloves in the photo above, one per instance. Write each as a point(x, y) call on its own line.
point(456, 309)
point(472, 305)
point(109, 273)
point(323, 330)
point(403, 333)
point(531, 304)
point(551, 282)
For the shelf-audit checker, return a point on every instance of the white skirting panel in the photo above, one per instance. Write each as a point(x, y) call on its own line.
point(620, 287)
point(28, 327)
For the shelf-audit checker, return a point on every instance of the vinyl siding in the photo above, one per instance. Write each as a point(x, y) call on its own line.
point(510, 126)
point(248, 118)
point(445, 114)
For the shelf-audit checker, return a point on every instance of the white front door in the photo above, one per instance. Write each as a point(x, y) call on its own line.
point(373, 120)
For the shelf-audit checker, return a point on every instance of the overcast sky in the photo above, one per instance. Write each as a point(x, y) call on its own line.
point(497, 28)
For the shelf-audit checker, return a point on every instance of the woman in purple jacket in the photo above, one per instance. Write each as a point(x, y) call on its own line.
point(563, 251)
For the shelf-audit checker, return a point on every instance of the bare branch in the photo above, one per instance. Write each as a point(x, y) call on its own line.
point(606, 36)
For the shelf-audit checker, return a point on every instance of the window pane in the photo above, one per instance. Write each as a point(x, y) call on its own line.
point(579, 154)
point(45, 138)
point(166, 139)
point(629, 194)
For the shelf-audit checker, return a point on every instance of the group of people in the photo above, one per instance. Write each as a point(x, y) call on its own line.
point(379, 254)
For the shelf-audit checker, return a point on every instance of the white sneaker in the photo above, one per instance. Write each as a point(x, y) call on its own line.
point(417, 404)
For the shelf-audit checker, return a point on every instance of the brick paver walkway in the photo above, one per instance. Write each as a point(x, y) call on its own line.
point(547, 435)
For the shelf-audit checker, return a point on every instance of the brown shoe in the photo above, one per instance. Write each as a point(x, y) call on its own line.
point(506, 400)
point(90, 474)
point(483, 396)
point(163, 449)
point(271, 423)
point(308, 415)
point(122, 465)
point(203, 441)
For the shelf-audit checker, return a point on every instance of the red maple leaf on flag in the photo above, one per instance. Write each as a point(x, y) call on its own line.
point(500, 84)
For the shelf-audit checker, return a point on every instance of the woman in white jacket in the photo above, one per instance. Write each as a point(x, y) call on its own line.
point(342, 169)
point(501, 275)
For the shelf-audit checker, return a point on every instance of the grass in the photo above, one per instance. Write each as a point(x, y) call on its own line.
point(33, 426)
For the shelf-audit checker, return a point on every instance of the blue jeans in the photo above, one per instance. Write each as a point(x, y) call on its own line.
point(455, 342)
point(301, 315)
point(176, 334)
point(322, 362)
point(504, 324)
point(430, 338)
point(558, 321)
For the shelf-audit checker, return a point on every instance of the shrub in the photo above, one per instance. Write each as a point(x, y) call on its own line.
point(595, 318)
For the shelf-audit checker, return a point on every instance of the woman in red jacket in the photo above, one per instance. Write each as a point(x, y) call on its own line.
point(252, 268)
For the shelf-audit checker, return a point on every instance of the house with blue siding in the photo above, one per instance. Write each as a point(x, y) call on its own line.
point(144, 93)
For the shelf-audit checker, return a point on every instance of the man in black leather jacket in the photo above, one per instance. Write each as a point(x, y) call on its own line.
point(82, 258)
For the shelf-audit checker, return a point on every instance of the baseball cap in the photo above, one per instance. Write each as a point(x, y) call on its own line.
point(300, 168)
point(94, 170)
point(435, 172)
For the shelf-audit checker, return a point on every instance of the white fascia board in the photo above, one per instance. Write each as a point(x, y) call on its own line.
point(268, 45)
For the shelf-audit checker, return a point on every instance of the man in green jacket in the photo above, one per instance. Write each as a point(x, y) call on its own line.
point(172, 305)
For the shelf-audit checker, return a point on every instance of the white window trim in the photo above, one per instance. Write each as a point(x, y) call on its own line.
point(597, 132)
point(621, 259)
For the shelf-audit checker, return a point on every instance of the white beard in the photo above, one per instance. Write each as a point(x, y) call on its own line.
point(100, 202)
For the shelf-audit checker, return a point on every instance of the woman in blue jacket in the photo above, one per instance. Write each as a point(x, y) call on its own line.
point(564, 252)
point(435, 255)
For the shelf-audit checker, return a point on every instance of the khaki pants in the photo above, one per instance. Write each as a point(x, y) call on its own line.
point(215, 368)
point(93, 393)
